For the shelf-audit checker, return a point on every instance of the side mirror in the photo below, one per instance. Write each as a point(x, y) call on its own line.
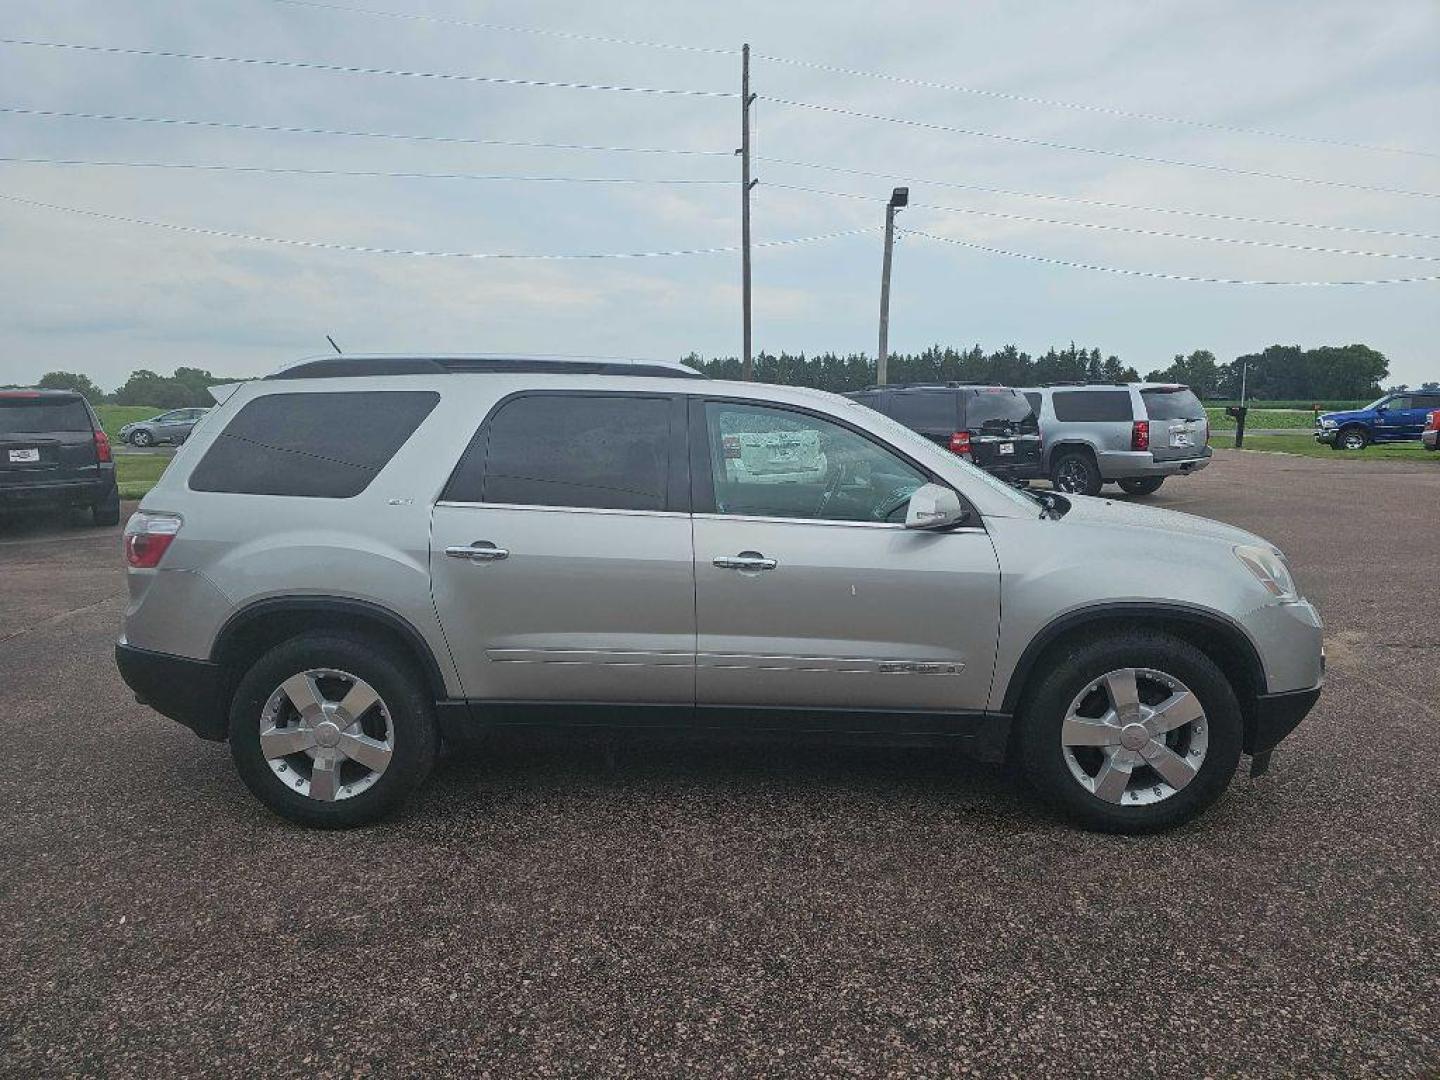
point(934, 506)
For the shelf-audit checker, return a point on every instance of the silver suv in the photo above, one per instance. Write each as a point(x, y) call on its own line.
point(356, 557)
point(1133, 434)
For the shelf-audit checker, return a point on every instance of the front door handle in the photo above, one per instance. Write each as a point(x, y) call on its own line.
point(479, 551)
point(746, 560)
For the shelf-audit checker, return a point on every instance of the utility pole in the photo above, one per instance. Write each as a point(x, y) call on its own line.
point(746, 100)
point(899, 198)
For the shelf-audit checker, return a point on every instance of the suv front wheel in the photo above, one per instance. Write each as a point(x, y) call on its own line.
point(1131, 734)
point(332, 731)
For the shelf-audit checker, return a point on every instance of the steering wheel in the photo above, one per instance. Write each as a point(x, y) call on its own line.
point(832, 489)
point(893, 500)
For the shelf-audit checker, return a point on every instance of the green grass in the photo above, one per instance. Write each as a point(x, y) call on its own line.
point(1308, 447)
point(114, 417)
point(1303, 404)
point(1264, 418)
point(137, 473)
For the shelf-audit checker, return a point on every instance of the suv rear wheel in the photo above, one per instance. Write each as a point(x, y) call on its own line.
point(1131, 734)
point(1142, 485)
point(332, 731)
point(1075, 473)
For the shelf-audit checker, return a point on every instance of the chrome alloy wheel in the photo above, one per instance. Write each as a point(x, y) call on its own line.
point(326, 734)
point(1134, 736)
point(1072, 477)
point(1353, 440)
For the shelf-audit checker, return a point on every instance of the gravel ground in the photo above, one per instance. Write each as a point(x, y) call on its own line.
point(665, 909)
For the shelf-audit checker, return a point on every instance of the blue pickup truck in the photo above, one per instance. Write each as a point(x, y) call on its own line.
point(1397, 417)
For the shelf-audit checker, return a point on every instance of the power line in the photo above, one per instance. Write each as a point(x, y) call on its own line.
point(1076, 148)
point(1103, 203)
point(285, 129)
point(266, 169)
point(1080, 107)
point(1157, 233)
point(473, 25)
point(350, 69)
point(1157, 275)
point(225, 234)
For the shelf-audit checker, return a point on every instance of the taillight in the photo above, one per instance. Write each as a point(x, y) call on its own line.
point(1433, 423)
point(1140, 435)
point(147, 537)
point(960, 443)
point(102, 447)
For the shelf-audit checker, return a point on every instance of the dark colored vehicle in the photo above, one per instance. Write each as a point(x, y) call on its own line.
point(1430, 437)
point(993, 427)
point(1392, 418)
point(53, 450)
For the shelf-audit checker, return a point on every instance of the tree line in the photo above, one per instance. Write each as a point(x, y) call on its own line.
point(1329, 372)
point(1280, 372)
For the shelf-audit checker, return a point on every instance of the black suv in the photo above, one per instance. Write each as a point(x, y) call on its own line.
point(53, 450)
point(992, 426)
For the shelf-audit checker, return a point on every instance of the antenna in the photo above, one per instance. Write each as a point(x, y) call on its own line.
point(333, 345)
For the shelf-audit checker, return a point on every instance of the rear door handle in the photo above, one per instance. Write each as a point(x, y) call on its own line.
point(746, 560)
point(479, 551)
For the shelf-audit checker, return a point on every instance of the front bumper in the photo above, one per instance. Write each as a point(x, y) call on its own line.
point(1275, 716)
point(187, 691)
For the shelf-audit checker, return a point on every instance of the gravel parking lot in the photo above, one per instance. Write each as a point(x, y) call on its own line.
point(668, 909)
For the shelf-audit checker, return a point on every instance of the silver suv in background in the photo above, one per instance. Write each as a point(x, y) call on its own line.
point(356, 556)
point(1134, 434)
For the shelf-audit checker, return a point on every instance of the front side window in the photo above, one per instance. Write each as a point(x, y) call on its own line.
point(327, 445)
point(1395, 404)
point(1090, 406)
point(599, 451)
point(767, 462)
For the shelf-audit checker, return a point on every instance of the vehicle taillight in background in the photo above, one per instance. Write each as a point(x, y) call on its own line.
point(1432, 422)
point(147, 536)
point(102, 447)
point(960, 443)
point(1140, 435)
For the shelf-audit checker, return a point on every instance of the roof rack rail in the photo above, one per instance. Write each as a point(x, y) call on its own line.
point(952, 384)
point(1087, 382)
point(348, 366)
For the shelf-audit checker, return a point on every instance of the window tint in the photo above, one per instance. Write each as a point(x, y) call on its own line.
point(608, 452)
point(19, 416)
point(1091, 405)
point(1034, 399)
point(1181, 404)
point(997, 409)
point(1398, 403)
point(1427, 401)
point(326, 445)
point(925, 410)
point(776, 463)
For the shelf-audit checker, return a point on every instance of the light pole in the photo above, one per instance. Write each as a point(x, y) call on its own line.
point(899, 198)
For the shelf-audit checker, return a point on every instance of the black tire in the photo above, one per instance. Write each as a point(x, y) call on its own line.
point(107, 510)
point(400, 687)
point(1042, 760)
point(1351, 439)
point(141, 438)
point(1142, 485)
point(1075, 473)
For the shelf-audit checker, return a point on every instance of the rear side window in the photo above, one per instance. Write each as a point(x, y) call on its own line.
point(324, 446)
point(1427, 401)
point(1181, 404)
point(1091, 405)
point(925, 410)
point(606, 452)
point(23, 416)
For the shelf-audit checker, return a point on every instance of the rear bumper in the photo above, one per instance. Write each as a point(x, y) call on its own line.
point(185, 690)
point(87, 490)
point(1137, 464)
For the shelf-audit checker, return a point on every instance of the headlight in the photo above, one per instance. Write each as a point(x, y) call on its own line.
point(1327, 422)
point(1269, 569)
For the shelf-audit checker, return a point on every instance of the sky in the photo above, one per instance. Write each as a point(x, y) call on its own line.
point(1338, 92)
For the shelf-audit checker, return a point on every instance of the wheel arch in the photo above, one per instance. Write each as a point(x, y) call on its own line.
point(1070, 445)
point(1217, 636)
point(260, 626)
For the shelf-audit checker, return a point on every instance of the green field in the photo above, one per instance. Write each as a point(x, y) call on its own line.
point(1263, 418)
point(1308, 447)
point(136, 473)
point(114, 417)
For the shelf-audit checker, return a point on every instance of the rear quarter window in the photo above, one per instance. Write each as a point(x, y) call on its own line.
point(324, 446)
point(1079, 406)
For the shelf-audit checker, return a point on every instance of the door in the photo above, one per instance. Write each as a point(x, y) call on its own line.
point(1392, 418)
point(560, 555)
point(810, 593)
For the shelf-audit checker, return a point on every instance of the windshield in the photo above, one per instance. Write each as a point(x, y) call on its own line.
point(1179, 403)
point(1000, 409)
point(20, 416)
point(924, 450)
